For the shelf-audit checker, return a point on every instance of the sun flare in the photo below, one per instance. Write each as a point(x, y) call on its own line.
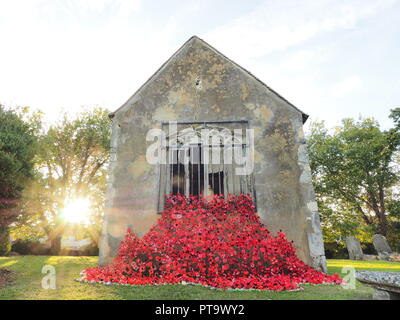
point(77, 211)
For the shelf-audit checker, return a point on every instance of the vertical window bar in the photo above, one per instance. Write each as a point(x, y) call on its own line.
point(225, 168)
point(171, 152)
point(186, 151)
point(219, 171)
point(211, 166)
point(179, 167)
point(233, 167)
point(190, 170)
point(240, 150)
point(206, 169)
point(176, 173)
point(251, 175)
point(168, 171)
point(173, 168)
point(245, 176)
point(247, 184)
point(198, 169)
point(170, 167)
point(162, 180)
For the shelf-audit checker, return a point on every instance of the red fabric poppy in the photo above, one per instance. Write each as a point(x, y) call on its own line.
point(219, 242)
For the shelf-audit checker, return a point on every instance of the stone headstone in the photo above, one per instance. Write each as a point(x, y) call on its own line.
point(386, 284)
point(394, 256)
point(381, 245)
point(370, 257)
point(354, 248)
point(13, 254)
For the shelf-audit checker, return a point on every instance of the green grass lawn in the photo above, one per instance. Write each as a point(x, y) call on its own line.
point(28, 277)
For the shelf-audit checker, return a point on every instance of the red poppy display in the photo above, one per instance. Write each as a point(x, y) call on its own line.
point(215, 242)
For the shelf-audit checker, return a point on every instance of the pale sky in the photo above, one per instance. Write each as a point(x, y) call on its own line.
point(331, 58)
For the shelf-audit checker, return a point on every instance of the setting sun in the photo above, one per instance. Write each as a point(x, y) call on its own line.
point(77, 211)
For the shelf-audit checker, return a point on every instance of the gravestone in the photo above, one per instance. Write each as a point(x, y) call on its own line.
point(380, 243)
point(354, 248)
point(386, 284)
point(370, 257)
point(381, 246)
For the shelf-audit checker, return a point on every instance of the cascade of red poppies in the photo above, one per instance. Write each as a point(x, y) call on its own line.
point(215, 242)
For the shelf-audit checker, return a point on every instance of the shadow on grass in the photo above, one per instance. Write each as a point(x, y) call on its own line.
point(24, 277)
point(28, 284)
point(29, 276)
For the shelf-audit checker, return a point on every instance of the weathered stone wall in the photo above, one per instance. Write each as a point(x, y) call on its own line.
point(285, 197)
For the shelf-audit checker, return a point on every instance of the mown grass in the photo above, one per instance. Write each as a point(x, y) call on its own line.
point(28, 278)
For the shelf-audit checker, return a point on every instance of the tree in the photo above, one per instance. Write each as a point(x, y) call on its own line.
point(395, 115)
point(17, 150)
point(354, 176)
point(72, 158)
point(393, 205)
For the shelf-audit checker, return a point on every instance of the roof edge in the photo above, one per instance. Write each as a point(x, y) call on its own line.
point(304, 115)
point(111, 115)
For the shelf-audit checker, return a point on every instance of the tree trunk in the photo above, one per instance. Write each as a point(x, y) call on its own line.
point(55, 245)
point(54, 234)
point(55, 242)
point(5, 243)
point(383, 224)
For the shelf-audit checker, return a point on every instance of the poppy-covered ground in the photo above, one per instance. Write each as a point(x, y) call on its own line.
point(27, 280)
point(214, 242)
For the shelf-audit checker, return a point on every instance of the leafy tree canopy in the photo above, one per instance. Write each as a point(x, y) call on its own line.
point(355, 176)
point(18, 141)
point(72, 160)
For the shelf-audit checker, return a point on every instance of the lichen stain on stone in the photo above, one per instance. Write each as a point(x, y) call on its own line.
point(275, 143)
point(214, 75)
point(215, 108)
point(166, 113)
point(250, 106)
point(281, 139)
point(216, 69)
point(257, 132)
point(286, 177)
point(180, 97)
point(258, 156)
point(139, 167)
point(300, 132)
point(263, 113)
point(129, 115)
point(244, 91)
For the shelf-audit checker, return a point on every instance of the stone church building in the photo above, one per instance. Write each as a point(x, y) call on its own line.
point(199, 88)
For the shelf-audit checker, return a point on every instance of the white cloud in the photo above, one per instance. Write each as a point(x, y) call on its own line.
point(124, 7)
point(127, 7)
point(278, 25)
point(346, 86)
point(89, 5)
